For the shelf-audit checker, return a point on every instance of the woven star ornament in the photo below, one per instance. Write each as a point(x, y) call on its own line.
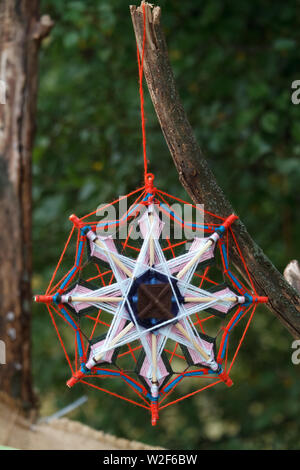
point(150, 310)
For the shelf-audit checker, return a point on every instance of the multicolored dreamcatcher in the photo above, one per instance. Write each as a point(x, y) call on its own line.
point(146, 307)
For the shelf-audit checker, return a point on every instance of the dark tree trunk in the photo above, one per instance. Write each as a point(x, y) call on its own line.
point(21, 30)
point(194, 172)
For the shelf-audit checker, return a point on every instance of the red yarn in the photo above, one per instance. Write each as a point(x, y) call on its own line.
point(141, 70)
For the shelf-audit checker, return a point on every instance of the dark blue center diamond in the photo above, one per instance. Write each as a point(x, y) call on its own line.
point(154, 299)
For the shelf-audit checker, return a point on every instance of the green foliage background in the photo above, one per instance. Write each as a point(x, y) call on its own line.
point(234, 63)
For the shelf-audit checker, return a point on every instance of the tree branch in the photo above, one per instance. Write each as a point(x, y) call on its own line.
point(194, 172)
point(292, 274)
point(42, 28)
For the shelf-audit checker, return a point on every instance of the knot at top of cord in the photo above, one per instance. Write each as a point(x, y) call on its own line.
point(149, 178)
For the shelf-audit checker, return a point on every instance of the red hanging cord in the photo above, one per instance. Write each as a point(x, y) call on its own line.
point(141, 69)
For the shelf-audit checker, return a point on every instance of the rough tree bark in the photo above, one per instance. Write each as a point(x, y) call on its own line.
point(194, 172)
point(21, 31)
